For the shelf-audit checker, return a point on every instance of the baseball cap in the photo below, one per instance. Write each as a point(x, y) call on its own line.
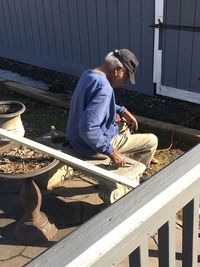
point(129, 60)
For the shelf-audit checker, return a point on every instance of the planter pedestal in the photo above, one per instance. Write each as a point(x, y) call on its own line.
point(34, 228)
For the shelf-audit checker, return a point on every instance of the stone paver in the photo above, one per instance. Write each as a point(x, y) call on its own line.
point(8, 251)
point(5, 222)
point(15, 262)
point(31, 252)
point(67, 206)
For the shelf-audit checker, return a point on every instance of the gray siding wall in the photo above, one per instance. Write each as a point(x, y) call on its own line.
point(71, 35)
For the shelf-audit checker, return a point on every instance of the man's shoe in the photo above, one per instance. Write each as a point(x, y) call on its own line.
point(155, 161)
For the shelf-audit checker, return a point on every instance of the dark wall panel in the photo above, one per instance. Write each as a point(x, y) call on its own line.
point(8, 24)
point(181, 57)
point(66, 30)
point(185, 45)
point(113, 24)
point(147, 44)
point(93, 31)
point(75, 31)
point(26, 13)
point(195, 72)
point(170, 43)
point(3, 28)
point(102, 24)
point(35, 27)
point(50, 30)
point(84, 34)
point(42, 27)
point(58, 28)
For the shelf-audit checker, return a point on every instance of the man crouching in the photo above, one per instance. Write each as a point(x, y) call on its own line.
point(92, 126)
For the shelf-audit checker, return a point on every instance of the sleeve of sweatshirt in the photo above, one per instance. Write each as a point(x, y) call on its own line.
point(93, 116)
point(120, 109)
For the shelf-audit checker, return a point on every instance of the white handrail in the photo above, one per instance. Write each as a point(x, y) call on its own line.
point(113, 234)
point(70, 160)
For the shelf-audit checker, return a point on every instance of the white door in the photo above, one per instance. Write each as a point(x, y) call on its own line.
point(177, 49)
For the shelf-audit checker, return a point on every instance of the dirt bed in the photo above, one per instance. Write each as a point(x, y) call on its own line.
point(156, 107)
point(39, 117)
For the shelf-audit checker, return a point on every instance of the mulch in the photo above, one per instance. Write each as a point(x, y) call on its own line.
point(22, 159)
point(156, 107)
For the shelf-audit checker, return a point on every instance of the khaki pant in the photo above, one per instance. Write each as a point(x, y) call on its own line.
point(142, 146)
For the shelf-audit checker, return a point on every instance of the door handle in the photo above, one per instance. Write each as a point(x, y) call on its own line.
point(159, 25)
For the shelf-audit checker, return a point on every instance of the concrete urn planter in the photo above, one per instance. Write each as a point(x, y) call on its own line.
point(10, 117)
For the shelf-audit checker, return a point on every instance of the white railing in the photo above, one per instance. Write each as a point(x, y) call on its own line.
point(123, 229)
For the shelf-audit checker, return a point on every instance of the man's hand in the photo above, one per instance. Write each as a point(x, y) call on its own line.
point(117, 158)
point(130, 119)
point(118, 119)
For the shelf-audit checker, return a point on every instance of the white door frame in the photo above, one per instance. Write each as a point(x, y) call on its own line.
point(157, 68)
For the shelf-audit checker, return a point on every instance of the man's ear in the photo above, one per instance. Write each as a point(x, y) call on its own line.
point(116, 73)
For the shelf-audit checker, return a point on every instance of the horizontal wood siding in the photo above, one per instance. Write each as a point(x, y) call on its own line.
point(71, 35)
point(181, 57)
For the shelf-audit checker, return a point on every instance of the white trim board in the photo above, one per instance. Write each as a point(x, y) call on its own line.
point(179, 94)
point(157, 68)
point(157, 65)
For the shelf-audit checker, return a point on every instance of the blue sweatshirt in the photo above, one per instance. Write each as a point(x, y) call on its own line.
point(92, 117)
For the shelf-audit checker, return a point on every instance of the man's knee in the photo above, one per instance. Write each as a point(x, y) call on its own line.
point(153, 140)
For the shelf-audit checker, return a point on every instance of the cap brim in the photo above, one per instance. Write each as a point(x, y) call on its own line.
point(132, 77)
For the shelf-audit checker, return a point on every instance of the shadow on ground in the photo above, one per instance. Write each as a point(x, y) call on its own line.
point(65, 208)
